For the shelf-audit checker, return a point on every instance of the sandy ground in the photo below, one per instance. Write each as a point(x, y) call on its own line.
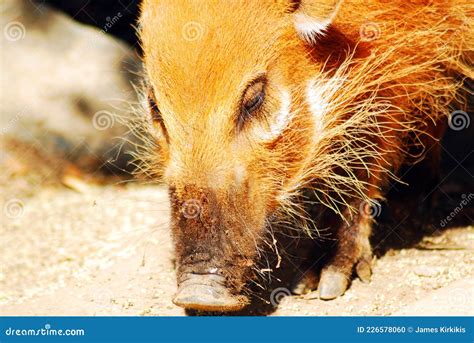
point(106, 250)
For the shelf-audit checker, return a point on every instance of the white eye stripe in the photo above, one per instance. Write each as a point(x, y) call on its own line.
point(283, 117)
point(318, 105)
point(278, 121)
point(239, 174)
point(321, 96)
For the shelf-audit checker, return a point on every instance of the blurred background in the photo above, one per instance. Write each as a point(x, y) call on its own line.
point(69, 69)
point(78, 226)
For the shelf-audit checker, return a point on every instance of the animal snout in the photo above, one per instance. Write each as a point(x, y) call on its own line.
point(207, 292)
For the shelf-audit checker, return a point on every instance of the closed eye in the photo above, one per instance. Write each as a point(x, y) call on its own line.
point(252, 100)
point(155, 113)
point(154, 110)
point(254, 103)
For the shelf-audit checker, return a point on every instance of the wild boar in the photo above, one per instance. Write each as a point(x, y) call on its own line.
point(261, 110)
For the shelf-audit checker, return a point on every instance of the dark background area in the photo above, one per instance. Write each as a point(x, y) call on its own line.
point(98, 13)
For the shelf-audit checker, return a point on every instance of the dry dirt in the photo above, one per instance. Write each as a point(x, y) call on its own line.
point(106, 250)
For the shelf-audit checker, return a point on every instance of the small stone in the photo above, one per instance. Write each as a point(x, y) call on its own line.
point(144, 312)
point(426, 271)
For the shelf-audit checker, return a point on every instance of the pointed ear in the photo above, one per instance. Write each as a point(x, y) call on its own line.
point(312, 17)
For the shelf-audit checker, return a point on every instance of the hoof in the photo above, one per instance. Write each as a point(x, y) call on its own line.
point(364, 270)
point(332, 284)
point(303, 284)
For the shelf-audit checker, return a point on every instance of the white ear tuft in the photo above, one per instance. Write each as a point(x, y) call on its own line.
point(309, 28)
point(313, 17)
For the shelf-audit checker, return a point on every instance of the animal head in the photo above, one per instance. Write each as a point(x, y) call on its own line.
point(227, 87)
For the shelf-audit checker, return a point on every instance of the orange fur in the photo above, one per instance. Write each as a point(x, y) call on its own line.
point(384, 104)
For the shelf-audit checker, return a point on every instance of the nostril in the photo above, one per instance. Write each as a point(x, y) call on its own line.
point(202, 278)
point(211, 276)
point(207, 292)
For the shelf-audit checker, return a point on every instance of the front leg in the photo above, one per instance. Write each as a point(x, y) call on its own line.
point(352, 251)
